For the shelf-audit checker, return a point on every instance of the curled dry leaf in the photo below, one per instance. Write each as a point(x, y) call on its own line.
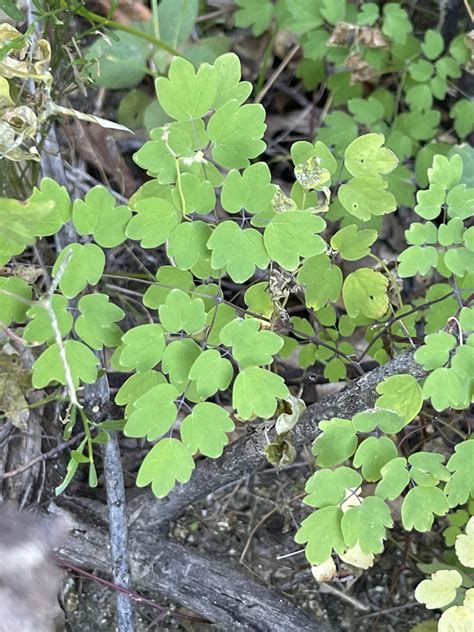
point(324, 572)
point(292, 409)
point(361, 71)
point(356, 557)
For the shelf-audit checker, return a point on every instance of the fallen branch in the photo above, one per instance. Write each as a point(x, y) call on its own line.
point(213, 589)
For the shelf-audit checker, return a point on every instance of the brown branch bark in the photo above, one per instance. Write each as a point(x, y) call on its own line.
point(213, 589)
point(247, 454)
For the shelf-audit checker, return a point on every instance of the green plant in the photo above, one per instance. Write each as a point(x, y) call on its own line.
point(203, 360)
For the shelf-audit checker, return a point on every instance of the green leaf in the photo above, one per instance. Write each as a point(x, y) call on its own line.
point(388, 421)
point(153, 413)
point(461, 485)
point(463, 361)
point(353, 244)
point(430, 201)
point(156, 158)
point(137, 385)
point(365, 156)
point(85, 265)
point(53, 208)
point(421, 70)
point(168, 278)
point(15, 299)
point(311, 175)
point(445, 172)
point(256, 391)
point(433, 44)
point(446, 390)
point(252, 191)
point(237, 250)
point(39, 330)
point(97, 215)
point(460, 202)
point(452, 232)
point(420, 505)
point(336, 444)
point(254, 13)
point(199, 196)
point(329, 487)
point(178, 358)
point(228, 76)
point(120, 61)
point(176, 19)
point(420, 234)
point(211, 372)
point(143, 347)
point(436, 350)
point(417, 259)
point(186, 94)
point(322, 532)
point(395, 478)
point(419, 97)
point(340, 129)
point(96, 324)
point(369, 12)
point(167, 462)
point(366, 111)
point(10, 8)
point(188, 243)
point(49, 367)
point(365, 196)
point(321, 280)
point(427, 468)
point(402, 394)
point(463, 114)
point(250, 346)
point(291, 235)
point(372, 454)
point(154, 222)
point(258, 299)
point(366, 524)
point(396, 24)
point(334, 11)
point(182, 313)
point(205, 429)
point(236, 133)
point(365, 291)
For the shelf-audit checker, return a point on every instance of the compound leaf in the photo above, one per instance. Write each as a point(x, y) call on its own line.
point(365, 156)
point(337, 442)
point(143, 347)
point(211, 372)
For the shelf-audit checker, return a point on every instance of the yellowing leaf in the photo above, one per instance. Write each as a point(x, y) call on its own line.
point(465, 545)
point(440, 590)
point(457, 619)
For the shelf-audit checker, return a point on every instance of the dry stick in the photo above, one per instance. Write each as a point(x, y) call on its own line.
point(277, 73)
point(51, 454)
point(118, 530)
